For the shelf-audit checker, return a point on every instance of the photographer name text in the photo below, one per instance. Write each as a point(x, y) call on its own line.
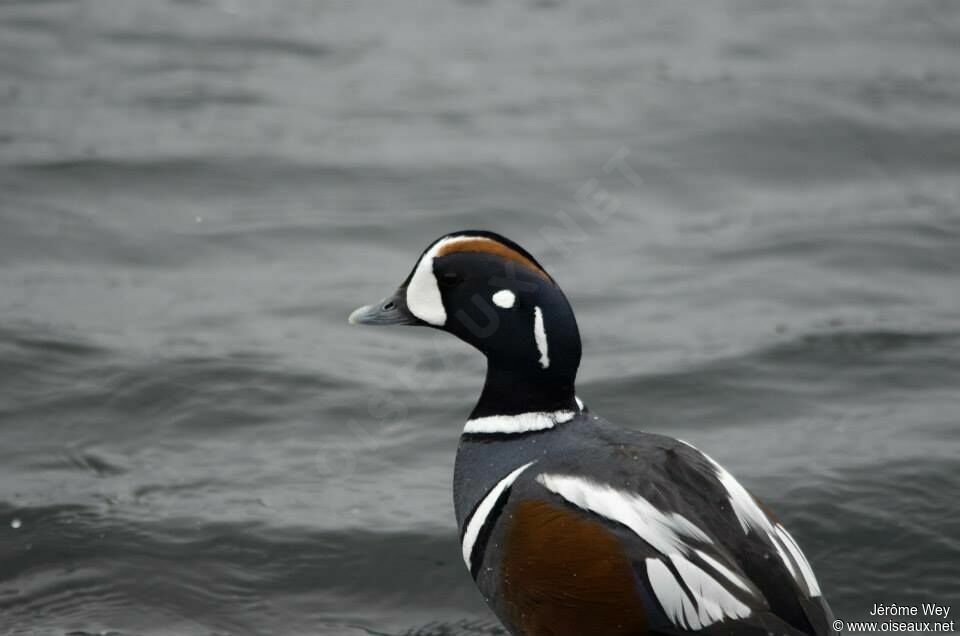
point(933, 610)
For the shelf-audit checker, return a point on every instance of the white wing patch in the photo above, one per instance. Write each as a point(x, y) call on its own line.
point(519, 423)
point(732, 576)
point(714, 603)
point(674, 600)
point(752, 517)
point(708, 600)
point(483, 511)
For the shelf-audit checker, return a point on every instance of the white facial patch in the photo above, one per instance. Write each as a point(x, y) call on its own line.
point(504, 299)
point(423, 293)
point(540, 336)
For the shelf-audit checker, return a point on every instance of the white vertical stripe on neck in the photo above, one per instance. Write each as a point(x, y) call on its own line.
point(540, 335)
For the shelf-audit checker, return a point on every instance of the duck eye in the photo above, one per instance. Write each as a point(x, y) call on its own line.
point(450, 279)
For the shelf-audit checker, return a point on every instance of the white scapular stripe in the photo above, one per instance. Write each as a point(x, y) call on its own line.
point(483, 511)
point(663, 531)
point(504, 299)
point(520, 423)
point(423, 294)
point(540, 335)
point(709, 601)
point(751, 516)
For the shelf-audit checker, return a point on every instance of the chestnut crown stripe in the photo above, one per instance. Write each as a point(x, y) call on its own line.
point(485, 245)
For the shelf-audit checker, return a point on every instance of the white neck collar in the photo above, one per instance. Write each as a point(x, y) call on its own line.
point(521, 422)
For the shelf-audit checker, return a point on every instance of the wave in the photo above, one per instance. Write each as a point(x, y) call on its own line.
point(85, 564)
point(788, 378)
point(49, 376)
point(246, 44)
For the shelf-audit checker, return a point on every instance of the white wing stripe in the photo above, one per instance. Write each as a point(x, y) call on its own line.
point(751, 516)
point(483, 511)
point(787, 561)
point(809, 579)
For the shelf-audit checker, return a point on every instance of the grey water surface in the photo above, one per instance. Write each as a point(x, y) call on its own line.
point(753, 205)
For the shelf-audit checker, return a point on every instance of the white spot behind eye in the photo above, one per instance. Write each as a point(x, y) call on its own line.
point(504, 298)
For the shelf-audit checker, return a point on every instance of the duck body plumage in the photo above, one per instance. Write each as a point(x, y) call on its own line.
point(569, 524)
point(676, 480)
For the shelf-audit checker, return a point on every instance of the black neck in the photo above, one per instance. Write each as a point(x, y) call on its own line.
point(510, 392)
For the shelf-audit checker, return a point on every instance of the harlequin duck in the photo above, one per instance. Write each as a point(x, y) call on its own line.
point(569, 524)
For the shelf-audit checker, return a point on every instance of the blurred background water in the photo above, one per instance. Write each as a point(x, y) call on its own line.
point(752, 205)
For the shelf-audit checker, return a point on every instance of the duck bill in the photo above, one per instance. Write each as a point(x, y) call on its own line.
point(392, 310)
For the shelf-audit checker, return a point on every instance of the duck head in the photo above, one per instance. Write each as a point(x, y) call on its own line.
point(491, 293)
